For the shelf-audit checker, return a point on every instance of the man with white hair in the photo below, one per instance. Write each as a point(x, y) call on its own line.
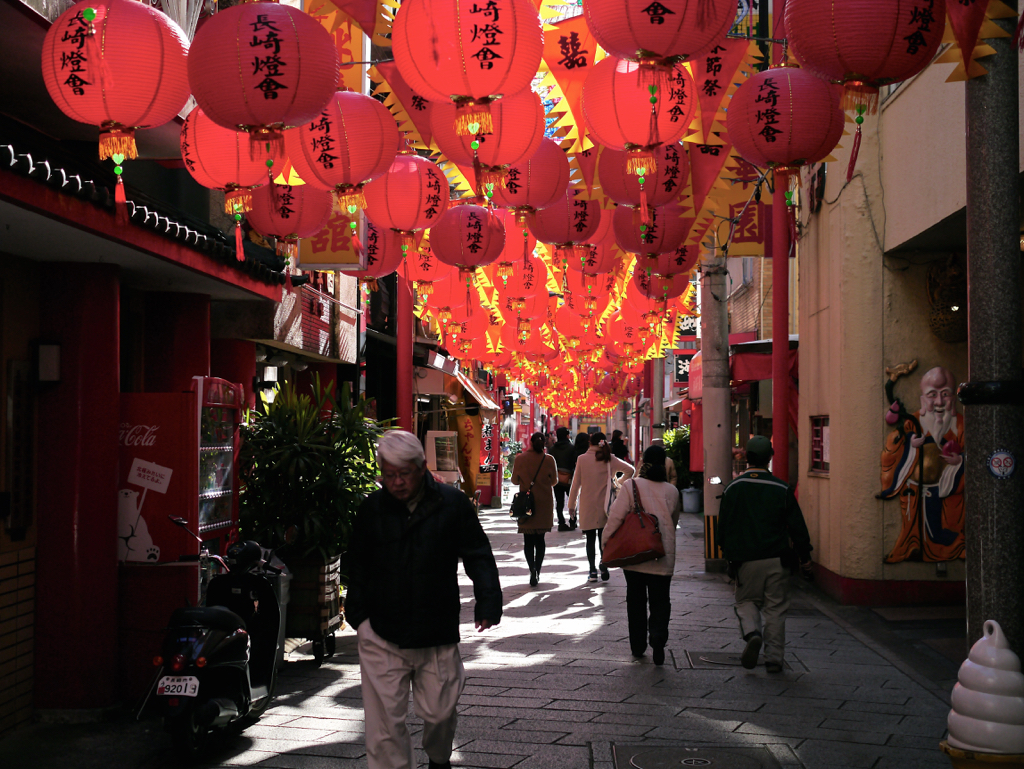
point(403, 600)
point(922, 464)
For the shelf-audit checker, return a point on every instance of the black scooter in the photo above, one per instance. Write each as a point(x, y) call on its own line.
point(218, 663)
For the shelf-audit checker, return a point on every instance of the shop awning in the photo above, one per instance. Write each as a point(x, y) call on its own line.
point(487, 406)
point(673, 403)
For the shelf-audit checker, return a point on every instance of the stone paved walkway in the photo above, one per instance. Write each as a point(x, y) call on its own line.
point(555, 686)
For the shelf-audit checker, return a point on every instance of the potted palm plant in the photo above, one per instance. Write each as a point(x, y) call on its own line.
point(306, 463)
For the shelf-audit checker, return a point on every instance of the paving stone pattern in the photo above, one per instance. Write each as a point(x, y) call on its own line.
point(554, 686)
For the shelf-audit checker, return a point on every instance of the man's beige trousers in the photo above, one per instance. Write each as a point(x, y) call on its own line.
point(761, 593)
point(436, 677)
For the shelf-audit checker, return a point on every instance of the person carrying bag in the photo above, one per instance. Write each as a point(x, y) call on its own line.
point(536, 500)
point(640, 536)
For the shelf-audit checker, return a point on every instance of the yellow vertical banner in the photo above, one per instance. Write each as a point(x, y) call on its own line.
point(469, 429)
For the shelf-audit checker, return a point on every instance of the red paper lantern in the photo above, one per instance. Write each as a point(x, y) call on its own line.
point(659, 287)
point(384, 252)
point(468, 53)
point(261, 68)
point(467, 237)
point(665, 231)
point(535, 183)
point(289, 213)
point(222, 159)
point(661, 31)
point(784, 118)
point(662, 186)
point(528, 280)
point(678, 262)
point(119, 65)
point(619, 113)
point(518, 127)
point(411, 196)
point(424, 269)
point(352, 141)
point(865, 44)
point(448, 293)
point(518, 241)
point(567, 224)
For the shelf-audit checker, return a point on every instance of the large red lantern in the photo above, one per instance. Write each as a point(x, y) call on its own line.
point(261, 68)
point(535, 183)
point(289, 213)
point(411, 196)
point(352, 141)
point(119, 65)
point(659, 287)
point(567, 225)
point(448, 293)
point(784, 118)
point(528, 280)
point(384, 252)
point(469, 53)
point(468, 237)
point(678, 262)
point(664, 31)
point(518, 127)
point(424, 269)
point(518, 241)
point(222, 159)
point(661, 186)
point(665, 231)
point(623, 113)
point(865, 44)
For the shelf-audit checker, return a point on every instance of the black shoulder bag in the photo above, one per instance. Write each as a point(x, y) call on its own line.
point(522, 502)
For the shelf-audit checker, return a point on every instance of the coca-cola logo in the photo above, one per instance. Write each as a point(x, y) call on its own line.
point(137, 435)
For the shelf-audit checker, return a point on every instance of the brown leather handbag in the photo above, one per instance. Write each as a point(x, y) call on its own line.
point(637, 540)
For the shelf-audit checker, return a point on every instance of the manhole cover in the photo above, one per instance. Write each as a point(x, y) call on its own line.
point(639, 757)
point(718, 660)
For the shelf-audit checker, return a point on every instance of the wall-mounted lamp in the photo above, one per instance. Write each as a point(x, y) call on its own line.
point(278, 360)
point(47, 363)
point(299, 365)
point(270, 374)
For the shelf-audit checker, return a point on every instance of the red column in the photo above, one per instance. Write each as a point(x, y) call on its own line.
point(177, 341)
point(404, 320)
point(235, 361)
point(76, 577)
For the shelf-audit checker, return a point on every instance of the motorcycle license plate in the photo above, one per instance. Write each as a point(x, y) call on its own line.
point(177, 686)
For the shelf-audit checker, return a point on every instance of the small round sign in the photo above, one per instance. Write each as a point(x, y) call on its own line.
point(1001, 464)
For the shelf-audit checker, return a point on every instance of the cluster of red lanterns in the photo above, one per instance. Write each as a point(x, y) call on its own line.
point(265, 78)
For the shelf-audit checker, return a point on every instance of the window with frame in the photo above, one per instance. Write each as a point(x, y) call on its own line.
point(819, 445)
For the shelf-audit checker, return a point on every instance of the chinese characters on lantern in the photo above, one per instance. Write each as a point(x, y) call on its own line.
point(486, 34)
point(434, 198)
point(922, 16)
point(75, 60)
point(474, 233)
point(272, 65)
point(579, 215)
point(768, 118)
point(323, 144)
point(656, 13)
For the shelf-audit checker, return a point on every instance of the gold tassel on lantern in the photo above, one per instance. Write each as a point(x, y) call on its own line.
point(349, 195)
point(424, 287)
point(269, 135)
point(237, 200)
point(505, 270)
point(495, 175)
point(444, 314)
point(115, 139)
point(473, 117)
point(640, 160)
point(288, 247)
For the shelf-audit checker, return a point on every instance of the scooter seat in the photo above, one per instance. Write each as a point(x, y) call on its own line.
point(216, 617)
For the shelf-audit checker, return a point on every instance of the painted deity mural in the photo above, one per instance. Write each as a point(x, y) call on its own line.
point(922, 466)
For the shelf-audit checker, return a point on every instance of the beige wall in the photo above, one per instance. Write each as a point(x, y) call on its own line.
point(860, 312)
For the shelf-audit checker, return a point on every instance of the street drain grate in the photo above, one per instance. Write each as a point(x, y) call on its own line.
point(719, 660)
point(640, 757)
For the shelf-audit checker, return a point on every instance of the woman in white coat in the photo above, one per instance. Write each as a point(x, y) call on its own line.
point(647, 584)
point(591, 491)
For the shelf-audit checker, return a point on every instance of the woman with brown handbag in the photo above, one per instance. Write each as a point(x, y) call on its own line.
point(593, 484)
point(648, 583)
point(537, 472)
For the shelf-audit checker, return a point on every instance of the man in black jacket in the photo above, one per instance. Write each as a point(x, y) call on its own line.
point(758, 518)
point(565, 458)
point(403, 600)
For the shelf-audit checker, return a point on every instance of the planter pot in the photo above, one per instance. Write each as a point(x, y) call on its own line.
point(966, 759)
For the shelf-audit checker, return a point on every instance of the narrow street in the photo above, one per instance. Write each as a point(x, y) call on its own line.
point(555, 686)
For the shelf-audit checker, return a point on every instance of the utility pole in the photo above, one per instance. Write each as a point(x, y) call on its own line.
point(404, 320)
point(994, 410)
point(657, 399)
point(714, 320)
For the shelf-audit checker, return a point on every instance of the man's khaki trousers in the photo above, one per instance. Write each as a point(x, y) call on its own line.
point(761, 593)
point(436, 677)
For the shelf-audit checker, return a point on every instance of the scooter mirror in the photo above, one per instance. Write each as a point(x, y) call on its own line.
point(182, 523)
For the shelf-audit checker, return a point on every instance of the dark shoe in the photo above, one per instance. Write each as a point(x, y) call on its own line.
point(564, 527)
point(658, 655)
point(605, 576)
point(638, 654)
point(773, 667)
point(751, 652)
point(534, 578)
point(435, 765)
point(593, 576)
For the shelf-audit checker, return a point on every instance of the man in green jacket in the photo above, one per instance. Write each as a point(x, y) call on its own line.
point(758, 518)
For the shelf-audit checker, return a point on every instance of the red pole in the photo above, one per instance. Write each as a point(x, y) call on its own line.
point(780, 309)
point(403, 363)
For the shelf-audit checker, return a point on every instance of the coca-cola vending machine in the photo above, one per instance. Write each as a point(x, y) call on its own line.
point(178, 459)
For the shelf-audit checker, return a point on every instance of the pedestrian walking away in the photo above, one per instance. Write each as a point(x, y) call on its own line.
point(647, 584)
point(403, 600)
point(565, 458)
point(758, 520)
point(536, 467)
point(619, 447)
point(593, 485)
